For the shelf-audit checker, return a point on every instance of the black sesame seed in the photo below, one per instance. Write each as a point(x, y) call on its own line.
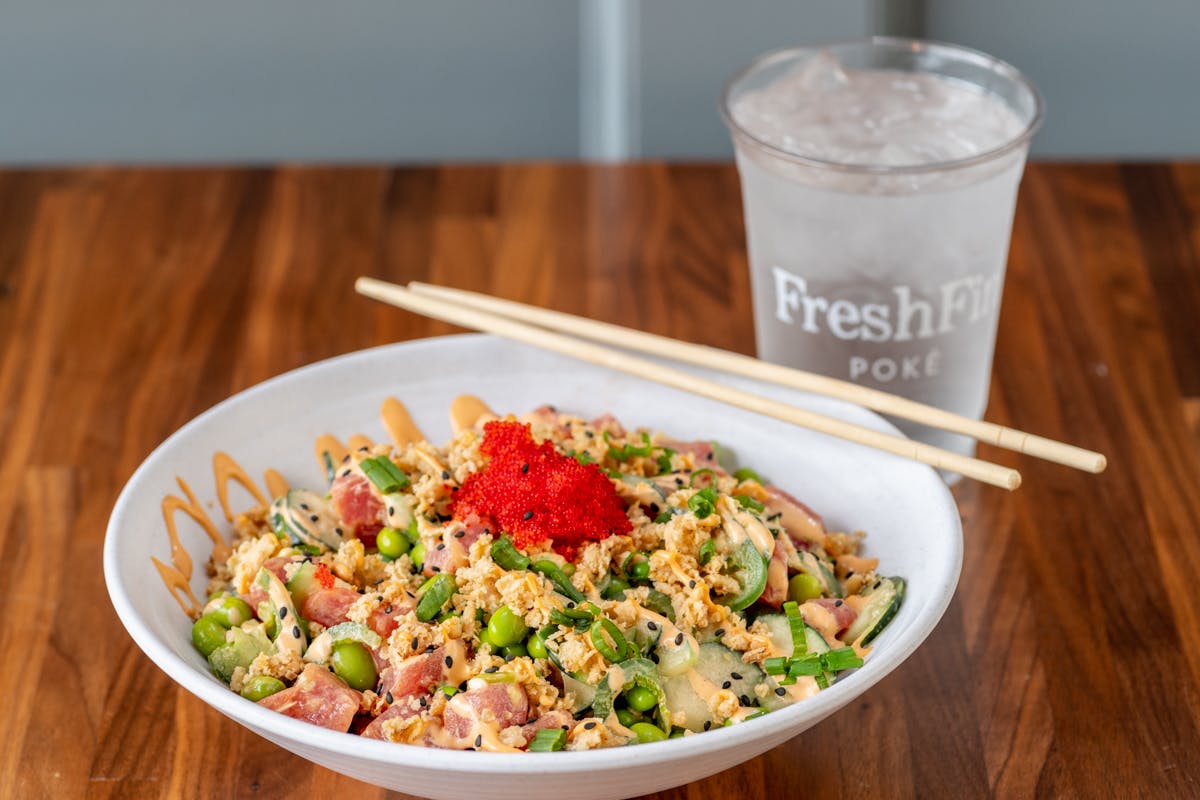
point(445, 475)
point(726, 684)
point(525, 468)
point(345, 458)
point(436, 569)
point(719, 632)
point(708, 456)
point(528, 515)
point(345, 472)
point(459, 534)
point(691, 584)
point(283, 613)
point(462, 687)
point(590, 434)
point(430, 648)
point(779, 690)
point(707, 724)
point(490, 670)
point(388, 610)
point(876, 586)
point(654, 509)
point(837, 603)
point(415, 643)
point(570, 604)
point(652, 626)
point(424, 702)
point(566, 727)
point(441, 546)
point(737, 676)
point(678, 639)
point(388, 697)
point(479, 740)
point(295, 631)
point(363, 449)
point(679, 481)
point(304, 506)
point(849, 574)
point(654, 657)
point(391, 510)
point(744, 700)
point(775, 516)
point(338, 531)
point(449, 661)
point(587, 726)
point(313, 517)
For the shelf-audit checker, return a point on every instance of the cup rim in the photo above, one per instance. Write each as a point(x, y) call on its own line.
point(978, 57)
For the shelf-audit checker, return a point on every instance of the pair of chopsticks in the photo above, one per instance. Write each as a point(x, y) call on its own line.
point(547, 329)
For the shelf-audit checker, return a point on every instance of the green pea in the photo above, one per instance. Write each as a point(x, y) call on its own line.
point(231, 612)
point(627, 717)
point(485, 637)
point(417, 554)
point(639, 570)
point(514, 651)
point(536, 647)
point(647, 733)
point(506, 627)
point(391, 543)
point(208, 634)
point(640, 698)
point(259, 686)
point(353, 663)
point(803, 587)
point(677, 732)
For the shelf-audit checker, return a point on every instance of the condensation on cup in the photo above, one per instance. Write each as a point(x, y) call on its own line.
point(879, 179)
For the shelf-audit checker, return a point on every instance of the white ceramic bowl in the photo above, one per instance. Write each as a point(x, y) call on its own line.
point(910, 517)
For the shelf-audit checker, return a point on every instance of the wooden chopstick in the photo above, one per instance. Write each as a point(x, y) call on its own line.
point(458, 314)
point(738, 364)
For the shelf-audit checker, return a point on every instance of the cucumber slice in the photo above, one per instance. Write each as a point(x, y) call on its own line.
point(779, 631)
point(688, 708)
point(882, 603)
point(725, 669)
point(583, 693)
point(308, 519)
point(321, 649)
point(282, 612)
point(676, 659)
point(645, 634)
point(303, 583)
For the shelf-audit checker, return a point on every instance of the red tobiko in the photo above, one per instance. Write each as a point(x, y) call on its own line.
point(536, 494)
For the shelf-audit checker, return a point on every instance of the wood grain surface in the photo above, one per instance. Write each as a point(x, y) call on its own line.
point(1068, 664)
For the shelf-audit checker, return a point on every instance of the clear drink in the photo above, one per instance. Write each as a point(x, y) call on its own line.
point(879, 180)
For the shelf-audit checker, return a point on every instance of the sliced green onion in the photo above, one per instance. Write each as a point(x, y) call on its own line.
point(749, 503)
point(703, 503)
point(796, 625)
point(386, 476)
point(756, 715)
point(560, 580)
point(505, 553)
point(822, 681)
point(434, 593)
point(706, 553)
point(548, 740)
point(712, 477)
point(608, 640)
point(664, 460)
point(747, 474)
point(572, 617)
point(448, 690)
point(663, 516)
point(584, 458)
point(776, 666)
point(809, 664)
point(840, 659)
point(497, 677)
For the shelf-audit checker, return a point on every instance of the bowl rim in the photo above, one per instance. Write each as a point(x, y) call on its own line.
point(771, 726)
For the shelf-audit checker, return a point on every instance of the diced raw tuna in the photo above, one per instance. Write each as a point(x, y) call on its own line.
point(802, 524)
point(501, 704)
point(456, 542)
point(319, 697)
point(276, 565)
point(777, 578)
point(329, 606)
point(360, 507)
point(551, 719)
point(843, 614)
point(415, 675)
point(403, 708)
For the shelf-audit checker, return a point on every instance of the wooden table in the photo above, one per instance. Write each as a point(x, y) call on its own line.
point(131, 300)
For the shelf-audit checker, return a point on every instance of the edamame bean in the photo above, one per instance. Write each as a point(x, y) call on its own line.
point(803, 587)
point(353, 663)
point(506, 627)
point(231, 612)
point(647, 732)
point(417, 554)
point(208, 634)
point(259, 686)
point(391, 543)
point(514, 651)
point(639, 568)
point(627, 717)
point(640, 698)
point(536, 647)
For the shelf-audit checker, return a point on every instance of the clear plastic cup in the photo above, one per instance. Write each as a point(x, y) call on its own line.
point(878, 211)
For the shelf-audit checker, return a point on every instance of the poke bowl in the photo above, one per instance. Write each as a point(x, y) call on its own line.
point(575, 641)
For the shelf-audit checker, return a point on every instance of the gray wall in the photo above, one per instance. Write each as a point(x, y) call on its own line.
point(401, 80)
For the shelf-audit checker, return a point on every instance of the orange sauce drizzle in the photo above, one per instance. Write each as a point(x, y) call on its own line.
point(226, 469)
point(399, 424)
point(178, 577)
point(468, 411)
